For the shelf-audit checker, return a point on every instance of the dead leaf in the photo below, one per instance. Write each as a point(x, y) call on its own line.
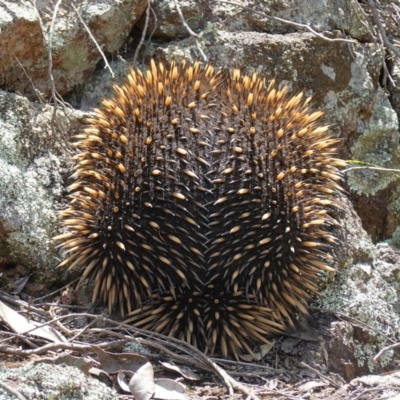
point(19, 324)
point(141, 384)
point(115, 362)
point(168, 389)
point(122, 383)
point(100, 375)
point(305, 387)
point(19, 284)
point(185, 372)
point(270, 384)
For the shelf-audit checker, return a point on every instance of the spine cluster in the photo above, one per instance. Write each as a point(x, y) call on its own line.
point(202, 204)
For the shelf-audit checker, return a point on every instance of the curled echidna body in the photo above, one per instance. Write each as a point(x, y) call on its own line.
point(202, 204)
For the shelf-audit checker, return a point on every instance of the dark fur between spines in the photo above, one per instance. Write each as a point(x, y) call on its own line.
point(203, 204)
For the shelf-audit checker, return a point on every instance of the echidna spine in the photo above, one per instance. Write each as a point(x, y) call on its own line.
point(203, 204)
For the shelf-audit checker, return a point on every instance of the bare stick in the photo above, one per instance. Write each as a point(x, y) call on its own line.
point(50, 57)
point(381, 29)
point(246, 364)
point(22, 337)
point(12, 391)
point(384, 350)
point(146, 23)
point(191, 33)
point(54, 95)
point(194, 355)
point(62, 346)
point(285, 21)
point(56, 291)
point(365, 23)
point(373, 169)
point(20, 303)
point(376, 389)
point(200, 50)
point(152, 32)
point(178, 8)
point(82, 331)
point(322, 376)
point(38, 94)
point(356, 320)
point(27, 332)
point(94, 41)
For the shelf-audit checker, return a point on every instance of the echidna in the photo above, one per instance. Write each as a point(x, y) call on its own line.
point(202, 204)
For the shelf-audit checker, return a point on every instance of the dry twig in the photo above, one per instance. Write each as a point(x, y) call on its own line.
point(191, 33)
point(354, 320)
point(94, 40)
point(62, 346)
point(372, 169)
point(381, 29)
point(163, 343)
point(152, 32)
point(146, 23)
point(384, 350)
point(285, 21)
point(12, 391)
point(55, 97)
point(38, 94)
point(377, 389)
point(56, 291)
point(322, 376)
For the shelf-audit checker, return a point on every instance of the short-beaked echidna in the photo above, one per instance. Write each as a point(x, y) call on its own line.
point(202, 204)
